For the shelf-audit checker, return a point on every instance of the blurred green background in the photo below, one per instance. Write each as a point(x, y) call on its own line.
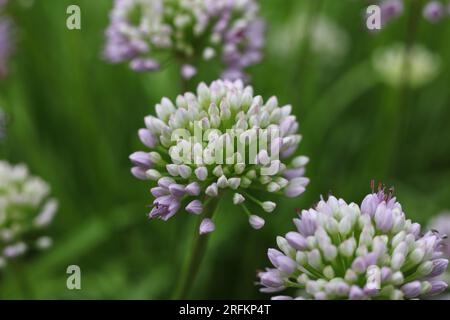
point(74, 121)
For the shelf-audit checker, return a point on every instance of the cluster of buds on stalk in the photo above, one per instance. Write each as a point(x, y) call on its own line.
point(25, 212)
point(346, 251)
point(145, 32)
point(223, 138)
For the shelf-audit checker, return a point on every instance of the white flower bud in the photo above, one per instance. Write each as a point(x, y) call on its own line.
point(268, 206)
point(153, 174)
point(238, 198)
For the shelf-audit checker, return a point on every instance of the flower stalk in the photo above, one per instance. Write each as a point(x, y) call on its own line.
point(196, 255)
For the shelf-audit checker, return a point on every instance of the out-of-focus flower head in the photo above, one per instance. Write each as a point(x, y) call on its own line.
point(145, 32)
point(346, 251)
point(433, 10)
point(326, 38)
point(398, 65)
point(25, 212)
point(221, 138)
point(5, 40)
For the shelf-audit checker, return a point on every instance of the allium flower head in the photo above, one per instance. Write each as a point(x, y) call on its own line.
point(5, 40)
point(145, 31)
point(223, 138)
point(25, 211)
point(397, 65)
point(346, 251)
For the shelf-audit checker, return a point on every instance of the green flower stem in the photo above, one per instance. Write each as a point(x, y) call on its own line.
point(313, 10)
point(192, 265)
point(399, 101)
point(247, 212)
point(23, 288)
point(252, 198)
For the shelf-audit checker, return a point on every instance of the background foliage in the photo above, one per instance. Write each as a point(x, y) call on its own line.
point(74, 121)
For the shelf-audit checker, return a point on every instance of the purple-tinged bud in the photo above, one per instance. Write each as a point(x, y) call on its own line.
point(359, 265)
point(272, 279)
point(294, 173)
point(139, 173)
point(201, 173)
point(385, 274)
point(384, 218)
point(370, 204)
point(415, 229)
point(147, 138)
point(184, 171)
point(320, 295)
point(437, 287)
point(273, 254)
point(195, 207)
point(296, 187)
point(188, 71)
point(296, 240)
point(206, 226)
point(286, 125)
point(293, 191)
point(193, 189)
point(306, 224)
point(177, 190)
point(165, 182)
point(370, 290)
point(256, 222)
point(397, 261)
point(141, 159)
point(439, 267)
point(371, 258)
point(159, 192)
point(356, 293)
point(286, 264)
point(329, 252)
point(411, 289)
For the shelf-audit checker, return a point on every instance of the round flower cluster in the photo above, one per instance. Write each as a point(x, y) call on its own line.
point(343, 251)
point(397, 65)
point(222, 138)
point(141, 31)
point(433, 10)
point(5, 40)
point(25, 211)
